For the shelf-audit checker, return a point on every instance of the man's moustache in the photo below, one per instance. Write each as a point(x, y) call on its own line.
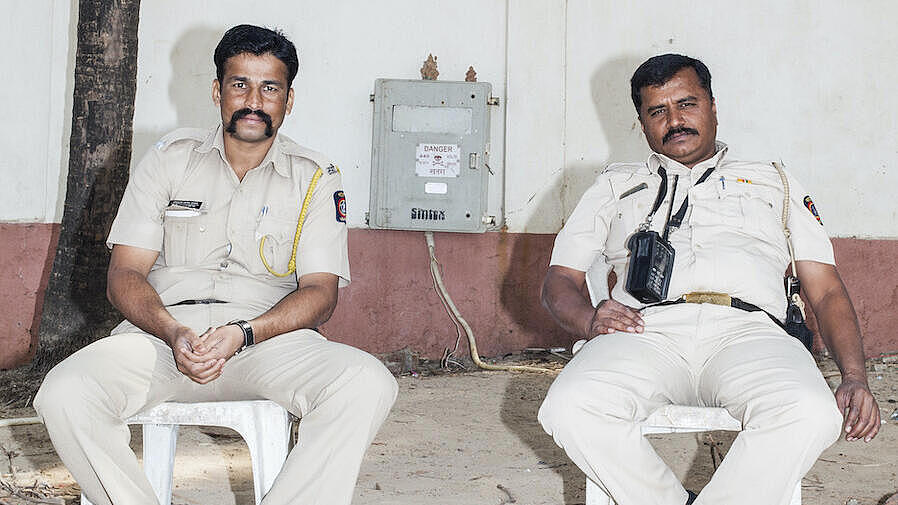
point(677, 131)
point(242, 113)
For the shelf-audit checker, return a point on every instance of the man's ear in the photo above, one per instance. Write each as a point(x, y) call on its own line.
point(641, 123)
point(289, 100)
point(216, 93)
point(714, 109)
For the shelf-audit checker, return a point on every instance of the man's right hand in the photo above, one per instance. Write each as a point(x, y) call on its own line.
point(611, 316)
point(188, 349)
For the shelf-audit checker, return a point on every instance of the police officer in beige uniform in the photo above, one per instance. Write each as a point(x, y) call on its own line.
point(641, 357)
point(220, 303)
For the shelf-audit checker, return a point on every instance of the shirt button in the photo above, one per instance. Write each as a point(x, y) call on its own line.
point(224, 264)
point(202, 229)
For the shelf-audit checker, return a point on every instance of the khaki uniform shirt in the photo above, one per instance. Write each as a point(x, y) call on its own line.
point(184, 200)
point(731, 240)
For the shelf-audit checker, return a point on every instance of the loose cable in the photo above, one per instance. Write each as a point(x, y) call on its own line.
point(450, 306)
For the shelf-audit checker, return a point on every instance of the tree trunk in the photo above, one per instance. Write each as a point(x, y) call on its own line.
point(75, 309)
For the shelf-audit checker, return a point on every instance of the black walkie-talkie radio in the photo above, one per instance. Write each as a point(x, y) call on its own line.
point(651, 265)
point(651, 255)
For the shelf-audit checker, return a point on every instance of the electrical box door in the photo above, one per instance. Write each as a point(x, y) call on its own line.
point(430, 156)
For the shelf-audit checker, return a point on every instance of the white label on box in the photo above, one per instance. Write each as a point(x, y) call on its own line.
point(437, 160)
point(436, 188)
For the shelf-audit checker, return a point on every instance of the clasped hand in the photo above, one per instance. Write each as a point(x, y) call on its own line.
point(202, 357)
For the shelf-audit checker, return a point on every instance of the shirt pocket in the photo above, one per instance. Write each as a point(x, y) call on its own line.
point(274, 240)
point(762, 213)
point(629, 214)
point(713, 206)
point(183, 241)
point(737, 208)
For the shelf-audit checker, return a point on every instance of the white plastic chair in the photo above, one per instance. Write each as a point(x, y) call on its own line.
point(263, 424)
point(667, 419)
point(680, 419)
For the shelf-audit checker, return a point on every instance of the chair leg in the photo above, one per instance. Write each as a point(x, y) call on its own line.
point(595, 495)
point(267, 438)
point(796, 495)
point(159, 441)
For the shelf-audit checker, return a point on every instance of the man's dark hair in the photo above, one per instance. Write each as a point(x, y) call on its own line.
point(657, 70)
point(256, 40)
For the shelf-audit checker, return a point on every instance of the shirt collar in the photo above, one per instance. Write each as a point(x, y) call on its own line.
point(275, 156)
point(656, 160)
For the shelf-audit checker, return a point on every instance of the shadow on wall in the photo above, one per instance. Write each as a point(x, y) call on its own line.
point(189, 88)
point(610, 95)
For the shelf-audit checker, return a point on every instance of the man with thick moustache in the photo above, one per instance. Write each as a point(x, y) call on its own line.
point(222, 292)
point(712, 353)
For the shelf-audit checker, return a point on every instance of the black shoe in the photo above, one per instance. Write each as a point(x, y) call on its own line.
point(691, 498)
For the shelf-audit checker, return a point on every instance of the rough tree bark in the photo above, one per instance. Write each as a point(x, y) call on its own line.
point(75, 309)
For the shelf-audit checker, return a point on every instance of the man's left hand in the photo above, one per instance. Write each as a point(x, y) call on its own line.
point(223, 342)
point(859, 408)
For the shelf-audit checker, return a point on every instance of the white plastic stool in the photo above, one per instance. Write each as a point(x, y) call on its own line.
point(263, 424)
point(680, 419)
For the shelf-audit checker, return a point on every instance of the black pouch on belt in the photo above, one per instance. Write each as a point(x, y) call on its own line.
point(795, 324)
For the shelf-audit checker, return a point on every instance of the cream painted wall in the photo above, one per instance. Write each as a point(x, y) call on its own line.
point(343, 47)
point(808, 82)
point(38, 40)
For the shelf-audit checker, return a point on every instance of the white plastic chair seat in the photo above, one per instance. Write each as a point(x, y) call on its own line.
point(263, 424)
point(680, 419)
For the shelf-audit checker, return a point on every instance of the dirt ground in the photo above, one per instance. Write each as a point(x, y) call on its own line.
point(462, 439)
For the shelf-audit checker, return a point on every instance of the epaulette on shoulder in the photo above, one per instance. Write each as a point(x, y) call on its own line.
point(194, 134)
point(327, 166)
point(625, 168)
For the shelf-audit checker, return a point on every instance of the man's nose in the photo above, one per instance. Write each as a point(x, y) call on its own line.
point(254, 99)
point(675, 118)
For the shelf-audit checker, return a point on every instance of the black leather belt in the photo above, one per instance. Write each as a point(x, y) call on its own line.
point(720, 299)
point(202, 301)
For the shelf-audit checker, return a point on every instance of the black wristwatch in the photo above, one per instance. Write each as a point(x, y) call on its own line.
point(248, 338)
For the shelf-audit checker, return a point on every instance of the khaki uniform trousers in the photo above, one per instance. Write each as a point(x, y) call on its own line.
point(703, 355)
point(341, 393)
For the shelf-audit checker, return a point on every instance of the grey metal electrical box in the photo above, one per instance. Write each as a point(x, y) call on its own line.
point(430, 155)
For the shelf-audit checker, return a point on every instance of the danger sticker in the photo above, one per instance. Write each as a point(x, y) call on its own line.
point(437, 160)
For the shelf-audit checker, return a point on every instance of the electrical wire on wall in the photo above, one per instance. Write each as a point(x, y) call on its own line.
point(460, 321)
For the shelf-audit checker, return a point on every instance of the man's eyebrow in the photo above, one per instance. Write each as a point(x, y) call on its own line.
point(689, 98)
point(238, 78)
point(273, 81)
point(654, 108)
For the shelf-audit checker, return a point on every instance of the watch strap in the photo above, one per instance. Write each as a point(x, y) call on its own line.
point(247, 329)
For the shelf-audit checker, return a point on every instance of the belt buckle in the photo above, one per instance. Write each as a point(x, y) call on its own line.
point(708, 297)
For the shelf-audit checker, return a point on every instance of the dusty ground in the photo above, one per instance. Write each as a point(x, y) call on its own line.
point(469, 438)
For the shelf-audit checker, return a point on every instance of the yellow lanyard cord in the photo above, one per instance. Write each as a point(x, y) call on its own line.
point(291, 266)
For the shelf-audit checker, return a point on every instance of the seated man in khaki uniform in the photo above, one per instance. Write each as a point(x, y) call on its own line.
point(725, 228)
point(222, 294)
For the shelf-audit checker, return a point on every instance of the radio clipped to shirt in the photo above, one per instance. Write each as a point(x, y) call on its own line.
point(651, 266)
point(651, 254)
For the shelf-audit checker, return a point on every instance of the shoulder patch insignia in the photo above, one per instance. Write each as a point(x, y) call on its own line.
point(809, 204)
point(331, 169)
point(340, 206)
